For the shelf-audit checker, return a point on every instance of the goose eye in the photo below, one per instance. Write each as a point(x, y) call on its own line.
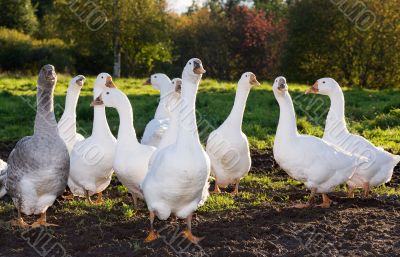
point(155, 77)
point(323, 82)
point(108, 93)
point(102, 77)
point(190, 63)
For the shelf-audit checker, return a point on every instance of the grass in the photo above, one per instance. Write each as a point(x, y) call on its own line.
point(370, 113)
point(373, 114)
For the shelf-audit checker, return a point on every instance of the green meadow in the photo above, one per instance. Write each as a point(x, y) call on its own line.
point(371, 113)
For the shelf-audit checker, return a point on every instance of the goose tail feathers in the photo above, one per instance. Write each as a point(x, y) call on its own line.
point(205, 194)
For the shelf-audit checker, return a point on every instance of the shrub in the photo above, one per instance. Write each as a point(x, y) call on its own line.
point(19, 52)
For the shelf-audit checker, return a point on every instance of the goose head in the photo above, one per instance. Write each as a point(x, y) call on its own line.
point(248, 80)
point(77, 82)
point(159, 81)
point(47, 76)
point(280, 86)
point(324, 86)
point(111, 97)
point(102, 82)
point(193, 70)
point(177, 85)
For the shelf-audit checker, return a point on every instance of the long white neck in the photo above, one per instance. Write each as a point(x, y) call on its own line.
point(287, 128)
point(45, 121)
point(71, 100)
point(335, 122)
point(170, 135)
point(236, 116)
point(187, 116)
point(100, 124)
point(162, 111)
point(126, 131)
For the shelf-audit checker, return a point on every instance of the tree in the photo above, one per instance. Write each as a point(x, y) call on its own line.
point(99, 29)
point(353, 42)
point(230, 40)
point(19, 15)
point(274, 8)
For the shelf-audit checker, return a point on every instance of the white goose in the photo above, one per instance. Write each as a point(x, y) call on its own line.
point(156, 128)
point(320, 165)
point(227, 146)
point(177, 181)
point(131, 158)
point(3, 176)
point(379, 167)
point(92, 158)
point(174, 108)
point(67, 123)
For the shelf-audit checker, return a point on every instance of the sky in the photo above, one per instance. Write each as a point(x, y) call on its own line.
point(180, 6)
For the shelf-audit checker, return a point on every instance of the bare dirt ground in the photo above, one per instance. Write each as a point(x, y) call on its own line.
point(351, 227)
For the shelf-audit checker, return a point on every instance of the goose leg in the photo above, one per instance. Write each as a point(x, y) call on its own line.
point(152, 234)
point(350, 192)
point(326, 202)
point(68, 196)
point(188, 232)
point(88, 196)
point(99, 199)
point(236, 191)
point(216, 188)
point(19, 222)
point(135, 201)
point(310, 200)
point(42, 221)
point(366, 189)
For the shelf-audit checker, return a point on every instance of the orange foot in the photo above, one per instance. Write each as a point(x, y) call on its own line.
point(151, 237)
point(99, 199)
point(19, 222)
point(43, 223)
point(326, 202)
point(216, 189)
point(189, 236)
point(302, 205)
point(68, 197)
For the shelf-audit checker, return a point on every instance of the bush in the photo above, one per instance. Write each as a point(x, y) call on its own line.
point(19, 52)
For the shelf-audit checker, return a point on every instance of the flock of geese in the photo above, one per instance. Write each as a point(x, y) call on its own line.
point(169, 168)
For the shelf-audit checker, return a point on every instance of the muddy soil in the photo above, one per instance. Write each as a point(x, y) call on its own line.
point(351, 227)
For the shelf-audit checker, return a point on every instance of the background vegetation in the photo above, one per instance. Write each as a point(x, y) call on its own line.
point(354, 41)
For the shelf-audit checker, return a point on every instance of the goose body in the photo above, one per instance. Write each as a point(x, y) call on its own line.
point(227, 146)
point(177, 182)
point(131, 158)
point(158, 126)
point(38, 166)
point(378, 169)
point(317, 163)
point(3, 176)
point(92, 158)
point(67, 122)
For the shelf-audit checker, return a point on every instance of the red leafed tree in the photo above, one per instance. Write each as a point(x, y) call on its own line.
point(257, 41)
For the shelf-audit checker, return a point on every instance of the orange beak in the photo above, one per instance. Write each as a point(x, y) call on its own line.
point(313, 89)
point(97, 101)
point(253, 80)
point(147, 82)
point(110, 83)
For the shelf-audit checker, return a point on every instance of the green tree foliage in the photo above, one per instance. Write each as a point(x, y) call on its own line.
point(143, 34)
point(276, 8)
point(355, 43)
point(19, 15)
